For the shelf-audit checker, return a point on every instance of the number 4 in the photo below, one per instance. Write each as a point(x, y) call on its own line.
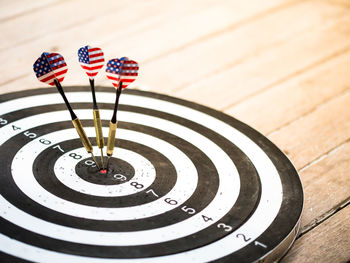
point(206, 219)
point(15, 128)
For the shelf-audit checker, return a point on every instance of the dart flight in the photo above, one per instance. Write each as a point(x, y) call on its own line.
point(50, 66)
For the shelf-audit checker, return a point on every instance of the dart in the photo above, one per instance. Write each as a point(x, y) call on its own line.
point(121, 72)
point(91, 59)
point(51, 69)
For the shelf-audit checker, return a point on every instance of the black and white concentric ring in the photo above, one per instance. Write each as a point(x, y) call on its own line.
point(201, 186)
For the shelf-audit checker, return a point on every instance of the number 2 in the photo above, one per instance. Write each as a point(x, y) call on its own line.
point(244, 237)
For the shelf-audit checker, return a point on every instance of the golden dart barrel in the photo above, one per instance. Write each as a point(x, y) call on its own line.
point(83, 137)
point(98, 128)
point(111, 138)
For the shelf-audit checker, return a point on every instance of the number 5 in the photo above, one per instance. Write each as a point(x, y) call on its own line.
point(188, 210)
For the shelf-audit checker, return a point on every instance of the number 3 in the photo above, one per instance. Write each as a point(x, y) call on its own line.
point(225, 227)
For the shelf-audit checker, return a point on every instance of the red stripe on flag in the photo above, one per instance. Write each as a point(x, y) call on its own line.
point(59, 66)
point(91, 74)
point(94, 49)
point(91, 68)
point(95, 55)
point(61, 72)
point(48, 78)
point(130, 69)
point(113, 78)
point(127, 80)
point(54, 75)
point(51, 55)
point(126, 74)
point(96, 61)
point(56, 60)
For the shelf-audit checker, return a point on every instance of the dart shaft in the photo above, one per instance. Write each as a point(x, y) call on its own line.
point(111, 138)
point(83, 137)
point(92, 85)
point(98, 129)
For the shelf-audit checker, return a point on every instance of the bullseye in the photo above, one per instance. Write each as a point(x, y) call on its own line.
point(183, 183)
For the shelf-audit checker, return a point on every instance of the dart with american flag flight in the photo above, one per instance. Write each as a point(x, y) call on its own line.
point(121, 72)
point(91, 59)
point(51, 69)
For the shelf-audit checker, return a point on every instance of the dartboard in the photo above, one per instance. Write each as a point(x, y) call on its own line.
point(186, 183)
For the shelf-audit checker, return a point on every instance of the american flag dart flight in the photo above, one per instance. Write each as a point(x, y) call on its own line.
point(91, 59)
point(50, 66)
point(185, 183)
point(122, 70)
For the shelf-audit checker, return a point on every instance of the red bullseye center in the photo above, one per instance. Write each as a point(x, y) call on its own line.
point(103, 171)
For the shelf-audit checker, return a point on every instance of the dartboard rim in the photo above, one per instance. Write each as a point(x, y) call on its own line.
point(282, 246)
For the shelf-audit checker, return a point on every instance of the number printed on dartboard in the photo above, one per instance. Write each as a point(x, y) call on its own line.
point(184, 183)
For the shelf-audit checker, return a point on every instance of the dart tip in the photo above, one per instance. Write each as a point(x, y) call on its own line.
point(93, 157)
point(102, 161)
point(108, 157)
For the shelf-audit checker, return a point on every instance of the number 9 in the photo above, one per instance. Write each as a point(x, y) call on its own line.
point(119, 177)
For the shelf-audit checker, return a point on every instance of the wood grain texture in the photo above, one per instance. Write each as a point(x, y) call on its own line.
point(326, 185)
point(312, 246)
point(14, 9)
point(282, 59)
point(283, 67)
point(285, 102)
point(316, 133)
point(140, 39)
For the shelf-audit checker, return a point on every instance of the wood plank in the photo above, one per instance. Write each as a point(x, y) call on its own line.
point(328, 242)
point(11, 9)
point(133, 38)
point(287, 101)
point(326, 184)
point(268, 67)
point(41, 22)
point(201, 26)
point(316, 133)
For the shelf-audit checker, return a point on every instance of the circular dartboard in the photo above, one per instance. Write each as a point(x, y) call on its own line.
point(185, 184)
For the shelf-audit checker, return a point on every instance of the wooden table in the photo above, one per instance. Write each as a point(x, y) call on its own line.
point(282, 66)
